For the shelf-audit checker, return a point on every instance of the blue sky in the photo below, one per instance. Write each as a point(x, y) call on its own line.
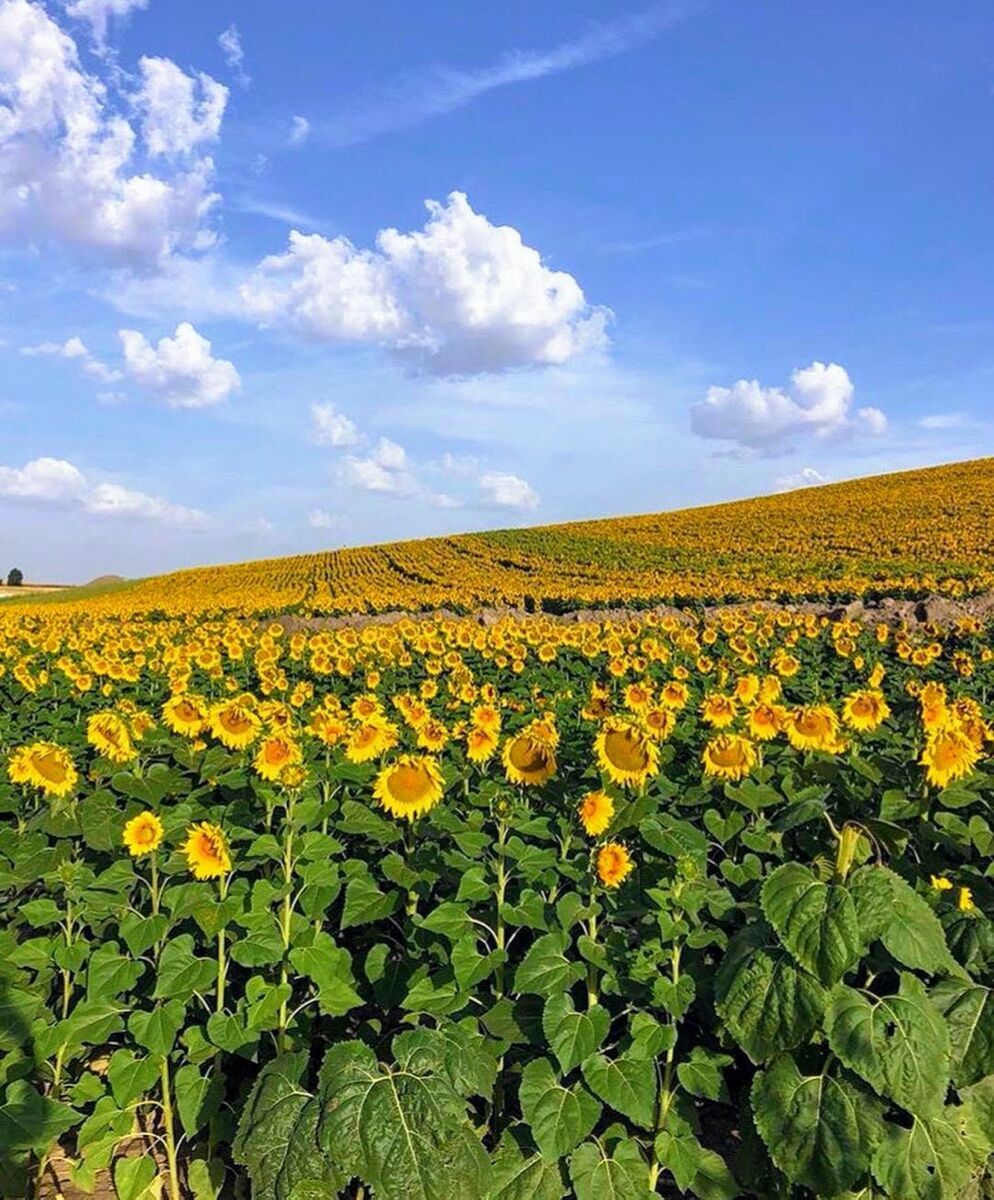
point(277, 278)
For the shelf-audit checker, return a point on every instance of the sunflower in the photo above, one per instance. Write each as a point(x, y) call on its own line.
point(529, 760)
point(432, 735)
point(948, 755)
point(206, 850)
point(409, 786)
point(638, 696)
point(109, 736)
point(747, 688)
point(185, 714)
point(940, 883)
point(43, 765)
point(614, 864)
point(480, 744)
point(234, 724)
point(275, 754)
point(674, 694)
point(765, 721)
point(813, 727)
point(142, 834)
point(486, 716)
point(658, 723)
point(369, 741)
point(729, 756)
point(598, 706)
point(596, 811)
point(718, 710)
point(625, 753)
point(327, 727)
point(865, 710)
point(964, 900)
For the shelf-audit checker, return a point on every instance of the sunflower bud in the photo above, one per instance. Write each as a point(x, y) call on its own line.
point(848, 841)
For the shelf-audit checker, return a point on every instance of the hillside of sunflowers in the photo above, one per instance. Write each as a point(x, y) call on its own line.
point(653, 904)
point(907, 534)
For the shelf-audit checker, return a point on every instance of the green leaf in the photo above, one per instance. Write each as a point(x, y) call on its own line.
point(276, 1140)
point(697, 1170)
point(545, 969)
point(767, 1003)
point(157, 1030)
point(914, 935)
point(449, 919)
point(516, 1176)
point(469, 966)
point(934, 1159)
point(364, 902)
point(457, 1051)
point(109, 974)
point(572, 1035)
point(873, 896)
point(820, 1131)
point(559, 1117)
point(602, 1173)
point(30, 1121)
point(816, 921)
point(130, 1077)
point(329, 968)
point(404, 1133)
point(134, 1177)
point(898, 1044)
point(197, 1097)
point(181, 972)
point(701, 1074)
point(969, 1012)
point(627, 1084)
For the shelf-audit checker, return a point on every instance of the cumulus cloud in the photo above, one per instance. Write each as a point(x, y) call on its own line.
point(98, 13)
point(54, 481)
point(767, 419)
point(507, 491)
point(75, 349)
point(329, 427)
point(179, 111)
point(460, 296)
point(230, 41)
point(388, 471)
point(300, 131)
point(805, 477)
point(948, 420)
point(69, 158)
point(180, 369)
point(318, 518)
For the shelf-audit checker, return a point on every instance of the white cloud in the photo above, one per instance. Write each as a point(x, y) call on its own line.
point(388, 471)
point(508, 491)
point(318, 518)
point(300, 131)
point(460, 296)
point(765, 419)
point(75, 349)
point(950, 420)
point(805, 477)
point(329, 427)
point(99, 12)
point(179, 111)
point(181, 369)
point(66, 154)
point(230, 41)
point(56, 481)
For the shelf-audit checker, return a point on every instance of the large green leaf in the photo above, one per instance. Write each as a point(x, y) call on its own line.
point(520, 1176)
point(277, 1135)
point(30, 1121)
point(572, 1035)
point(329, 968)
point(365, 902)
point(403, 1132)
point(560, 1117)
point(603, 1172)
point(767, 1002)
point(934, 1159)
point(157, 1030)
point(820, 1130)
point(627, 1084)
point(816, 921)
point(545, 969)
point(456, 1050)
point(181, 972)
point(130, 1077)
point(969, 1012)
point(914, 935)
point(898, 1044)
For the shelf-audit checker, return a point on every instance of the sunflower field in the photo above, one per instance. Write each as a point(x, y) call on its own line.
point(440, 910)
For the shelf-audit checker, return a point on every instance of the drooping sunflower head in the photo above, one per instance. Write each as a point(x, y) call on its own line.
point(625, 753)
point(596, 811)
point(813, 727)
point(45, 766)
point(206, 850)
point(765, 721)
point(185, 714)
point(409, 786)
point(528, 761)
point(276, 754)
point(729, 756)
point(142, 834)
point(109, 735)
point(234, 724)
point(614, 864)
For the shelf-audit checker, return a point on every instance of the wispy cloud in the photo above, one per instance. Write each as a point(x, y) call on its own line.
point(675, 237)
point(417, 98)
point(284, 214)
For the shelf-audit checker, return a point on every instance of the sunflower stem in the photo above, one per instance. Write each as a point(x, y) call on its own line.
point(170, 1131)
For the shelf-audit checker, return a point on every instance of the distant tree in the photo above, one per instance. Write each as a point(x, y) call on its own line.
point(15, 578)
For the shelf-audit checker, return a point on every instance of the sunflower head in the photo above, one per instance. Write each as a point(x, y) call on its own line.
point(596, 811)
point(865, 710)
point(528, 761)
point(234, 724)
point(206, 850)
point(614, 864)
point(625, 753)
point(45, 766)
point(409, 786)
point(275, 756)
point(949, 755)
point(729, 756)
point(480, 744)
point(185, 714)
point(109, 735)
point(813, 727)
point(142, 834)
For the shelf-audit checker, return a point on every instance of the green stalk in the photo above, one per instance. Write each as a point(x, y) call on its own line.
point(666, 1092)
point(286, 918)
point(170, 1131)
point(222, 967)
point(592, 994)
point(499, 893)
